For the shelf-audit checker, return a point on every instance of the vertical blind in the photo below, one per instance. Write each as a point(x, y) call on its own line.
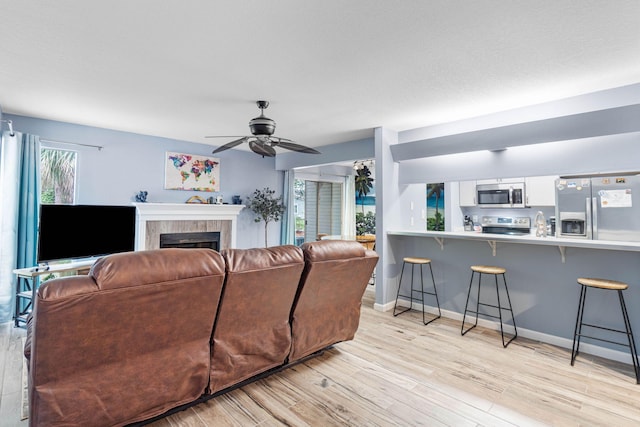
point(323, 209)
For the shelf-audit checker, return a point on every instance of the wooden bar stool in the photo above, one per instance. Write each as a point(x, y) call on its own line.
point(414, 262)
point(610, 285)
point(495, 271)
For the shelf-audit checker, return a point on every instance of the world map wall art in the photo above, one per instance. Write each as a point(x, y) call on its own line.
point(191, 172)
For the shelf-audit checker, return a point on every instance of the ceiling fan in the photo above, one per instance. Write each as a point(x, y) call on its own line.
point(262, 141)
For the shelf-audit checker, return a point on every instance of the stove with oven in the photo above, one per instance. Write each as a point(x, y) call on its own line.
point(506, 225)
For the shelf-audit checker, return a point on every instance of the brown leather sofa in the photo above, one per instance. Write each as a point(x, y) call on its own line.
point(147, 333)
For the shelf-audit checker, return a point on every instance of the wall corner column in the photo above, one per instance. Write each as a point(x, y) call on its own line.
point(387, 213)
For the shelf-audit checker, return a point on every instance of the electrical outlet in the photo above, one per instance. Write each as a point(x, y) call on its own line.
point(411, 221)
point(475, 219)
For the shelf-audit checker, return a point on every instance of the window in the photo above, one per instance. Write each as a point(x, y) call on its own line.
point(322, 209)
point(299, 196)
point(57, 176)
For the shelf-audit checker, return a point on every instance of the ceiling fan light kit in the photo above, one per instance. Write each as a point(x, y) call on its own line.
point(262, 142)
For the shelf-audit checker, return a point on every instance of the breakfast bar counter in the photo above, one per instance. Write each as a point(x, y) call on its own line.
point(542, 284)
point(529, 239)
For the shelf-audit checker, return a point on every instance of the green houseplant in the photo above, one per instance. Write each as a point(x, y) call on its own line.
point(267, 207)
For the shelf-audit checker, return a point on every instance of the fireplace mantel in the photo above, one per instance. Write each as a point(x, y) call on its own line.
point(183, 212)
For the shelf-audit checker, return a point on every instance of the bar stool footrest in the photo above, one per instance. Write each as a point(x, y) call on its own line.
point(604, 340)
point(606, 329)
point(487, 315)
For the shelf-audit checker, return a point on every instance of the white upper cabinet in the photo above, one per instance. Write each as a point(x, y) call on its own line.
point(499, 180)
point(541, 190)
point(467, 193)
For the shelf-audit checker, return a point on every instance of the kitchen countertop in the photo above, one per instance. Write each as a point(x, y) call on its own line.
point(527, 239)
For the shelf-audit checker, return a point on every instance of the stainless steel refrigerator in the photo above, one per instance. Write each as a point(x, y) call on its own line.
point(602, 207)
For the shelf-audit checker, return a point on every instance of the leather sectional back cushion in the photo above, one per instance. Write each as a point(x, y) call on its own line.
point(252, 332)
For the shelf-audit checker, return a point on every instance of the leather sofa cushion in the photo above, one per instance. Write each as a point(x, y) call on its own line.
point(252, 332)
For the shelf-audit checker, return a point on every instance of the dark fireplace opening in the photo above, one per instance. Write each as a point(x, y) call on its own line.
point(207, 239)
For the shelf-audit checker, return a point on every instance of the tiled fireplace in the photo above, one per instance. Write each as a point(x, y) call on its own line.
point(155, 219)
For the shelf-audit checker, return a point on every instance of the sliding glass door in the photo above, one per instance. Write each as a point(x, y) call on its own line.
point(318, 209)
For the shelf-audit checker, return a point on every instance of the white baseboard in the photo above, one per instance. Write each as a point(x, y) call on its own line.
point(586, 348)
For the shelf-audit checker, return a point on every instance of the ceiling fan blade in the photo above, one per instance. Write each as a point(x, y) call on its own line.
point(263, 150)
point(230, 145)
point(285, 143)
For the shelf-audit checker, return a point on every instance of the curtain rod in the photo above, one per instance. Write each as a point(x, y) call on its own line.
point(99, 147)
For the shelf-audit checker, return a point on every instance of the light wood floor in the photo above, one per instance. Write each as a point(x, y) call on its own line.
point(398, 372)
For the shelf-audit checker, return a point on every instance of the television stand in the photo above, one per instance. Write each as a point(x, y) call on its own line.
point(29, 281)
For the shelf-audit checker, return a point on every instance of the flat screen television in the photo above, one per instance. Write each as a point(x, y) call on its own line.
point(84, 231)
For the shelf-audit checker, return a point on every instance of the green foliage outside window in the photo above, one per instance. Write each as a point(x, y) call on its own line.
point(57, 176)
point(48, 196)
point(365, 223)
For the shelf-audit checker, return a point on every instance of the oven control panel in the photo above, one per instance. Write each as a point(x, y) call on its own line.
point(508, 222)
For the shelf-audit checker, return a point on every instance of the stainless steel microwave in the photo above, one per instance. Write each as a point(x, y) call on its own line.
point(504, 195)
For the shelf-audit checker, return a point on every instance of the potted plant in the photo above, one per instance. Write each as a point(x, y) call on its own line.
point(267, 207)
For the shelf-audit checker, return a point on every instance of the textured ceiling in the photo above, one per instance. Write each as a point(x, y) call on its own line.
point(332, 70)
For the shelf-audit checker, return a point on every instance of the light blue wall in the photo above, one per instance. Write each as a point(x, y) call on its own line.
point(131, 162)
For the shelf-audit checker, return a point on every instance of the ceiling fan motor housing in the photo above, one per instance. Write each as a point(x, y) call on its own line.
point(262, 126)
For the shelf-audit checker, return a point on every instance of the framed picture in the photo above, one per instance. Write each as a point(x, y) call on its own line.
point(435, 206)
point(191, 172)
